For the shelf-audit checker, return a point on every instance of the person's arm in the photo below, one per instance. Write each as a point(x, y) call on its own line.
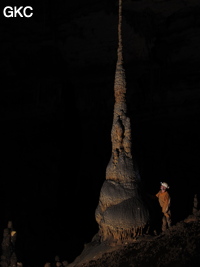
point(166, 204)
point(157, 195)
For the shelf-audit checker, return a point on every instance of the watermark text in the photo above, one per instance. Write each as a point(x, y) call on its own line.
point(13, 12)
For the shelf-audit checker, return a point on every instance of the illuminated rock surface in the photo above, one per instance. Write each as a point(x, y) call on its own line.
point(121, 215)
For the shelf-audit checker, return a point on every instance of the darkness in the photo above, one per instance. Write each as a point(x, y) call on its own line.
point(57, 73)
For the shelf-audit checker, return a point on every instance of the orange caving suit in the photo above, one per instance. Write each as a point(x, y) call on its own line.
point(164, 201)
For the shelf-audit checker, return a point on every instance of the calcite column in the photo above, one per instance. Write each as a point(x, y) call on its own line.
point(121, 213)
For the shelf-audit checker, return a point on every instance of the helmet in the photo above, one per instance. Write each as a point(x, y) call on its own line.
point(164, 184)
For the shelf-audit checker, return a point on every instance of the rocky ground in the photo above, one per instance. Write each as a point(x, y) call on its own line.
point(178, 246)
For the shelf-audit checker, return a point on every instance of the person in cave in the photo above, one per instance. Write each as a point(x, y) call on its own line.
point(164, 201)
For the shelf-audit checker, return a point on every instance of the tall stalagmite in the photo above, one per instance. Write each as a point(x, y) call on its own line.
point(121, 213)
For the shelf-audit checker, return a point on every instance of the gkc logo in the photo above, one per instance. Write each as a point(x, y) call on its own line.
point(10, 12)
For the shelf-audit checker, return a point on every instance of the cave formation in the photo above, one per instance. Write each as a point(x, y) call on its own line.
point(121, 213)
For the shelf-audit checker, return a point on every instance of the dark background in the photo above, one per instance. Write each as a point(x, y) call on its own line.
point(57, 74)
